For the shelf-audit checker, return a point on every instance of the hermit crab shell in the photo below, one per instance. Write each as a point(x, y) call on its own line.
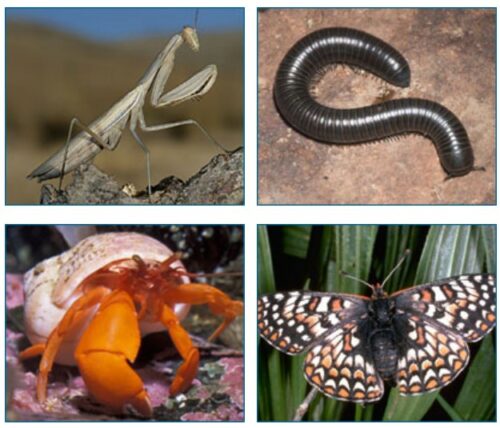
point(52, 285)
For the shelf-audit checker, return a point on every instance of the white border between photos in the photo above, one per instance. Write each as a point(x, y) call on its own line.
point(250, 215)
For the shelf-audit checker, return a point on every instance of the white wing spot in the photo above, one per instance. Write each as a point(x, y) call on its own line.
point(411, 355)
point(359, 386)
point(334, 320)
point(323, 305)
point(331, 382)
point(344, 382)
point(484, 314)
point(438, 294)
point(354, 341)
point(413, 335)
point(444, 372)
point(431, 311)
point(429, 374)
point(414, 379)
point(359, 361)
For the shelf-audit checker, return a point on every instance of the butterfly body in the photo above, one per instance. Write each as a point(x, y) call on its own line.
point(415, 339)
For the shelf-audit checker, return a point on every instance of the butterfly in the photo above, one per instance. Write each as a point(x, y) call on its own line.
point(415, 339)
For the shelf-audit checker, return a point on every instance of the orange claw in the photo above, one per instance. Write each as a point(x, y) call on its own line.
point(218, 302)
point(109, 343)
point(49, 350)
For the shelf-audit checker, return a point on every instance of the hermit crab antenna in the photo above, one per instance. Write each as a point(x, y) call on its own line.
point(395, 268)
point(356, 279)
point(166, 265)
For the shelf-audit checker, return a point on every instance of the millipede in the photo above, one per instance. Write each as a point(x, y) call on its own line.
point(330, 46)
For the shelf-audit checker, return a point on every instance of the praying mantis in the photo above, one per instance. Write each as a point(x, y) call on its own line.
point(105, 132)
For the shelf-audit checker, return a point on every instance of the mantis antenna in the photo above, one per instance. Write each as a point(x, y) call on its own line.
point(196, 18)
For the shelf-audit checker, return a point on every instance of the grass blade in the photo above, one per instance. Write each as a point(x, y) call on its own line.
point(477, 396)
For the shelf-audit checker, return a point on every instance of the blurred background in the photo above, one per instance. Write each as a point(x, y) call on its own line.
point(77, 62)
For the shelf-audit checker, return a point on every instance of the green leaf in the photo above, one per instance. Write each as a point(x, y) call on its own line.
point(477, 397)
point(353, 255)
point(277, 390)
point(318, 255)
point(488, 239)
point(399, 239)
point(265, 271)
point(455, 416)
point(296, 240)
point(401, 408)
point(297, 382)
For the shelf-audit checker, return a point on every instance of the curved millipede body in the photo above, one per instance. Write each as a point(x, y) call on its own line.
point(328, 46)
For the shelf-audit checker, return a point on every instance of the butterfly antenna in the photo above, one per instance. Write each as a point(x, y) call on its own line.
point(345, 274)
point(395, 268)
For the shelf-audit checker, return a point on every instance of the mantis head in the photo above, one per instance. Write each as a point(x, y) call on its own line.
point(191, 38)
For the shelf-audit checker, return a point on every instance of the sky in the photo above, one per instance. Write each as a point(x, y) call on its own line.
point(114, 24)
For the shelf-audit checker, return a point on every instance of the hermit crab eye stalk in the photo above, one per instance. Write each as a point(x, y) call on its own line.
point(141, 264)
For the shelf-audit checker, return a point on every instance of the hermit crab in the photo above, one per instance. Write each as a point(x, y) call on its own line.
point(90, 305)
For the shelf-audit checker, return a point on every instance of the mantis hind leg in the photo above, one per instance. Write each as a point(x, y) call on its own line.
point(97, 139)
point(148, 161)
point(163, 126)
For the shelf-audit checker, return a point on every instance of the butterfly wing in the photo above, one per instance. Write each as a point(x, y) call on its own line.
point(338, 363)
point(435, 321)
point(341, 365)
point(430, 356)
point(464, 304)
point(292, 321)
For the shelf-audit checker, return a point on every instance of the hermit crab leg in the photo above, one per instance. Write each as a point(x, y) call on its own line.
point(32, 351)
point(191, 356)
point(218, 302)
point(72, 316)
point(112, 340)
